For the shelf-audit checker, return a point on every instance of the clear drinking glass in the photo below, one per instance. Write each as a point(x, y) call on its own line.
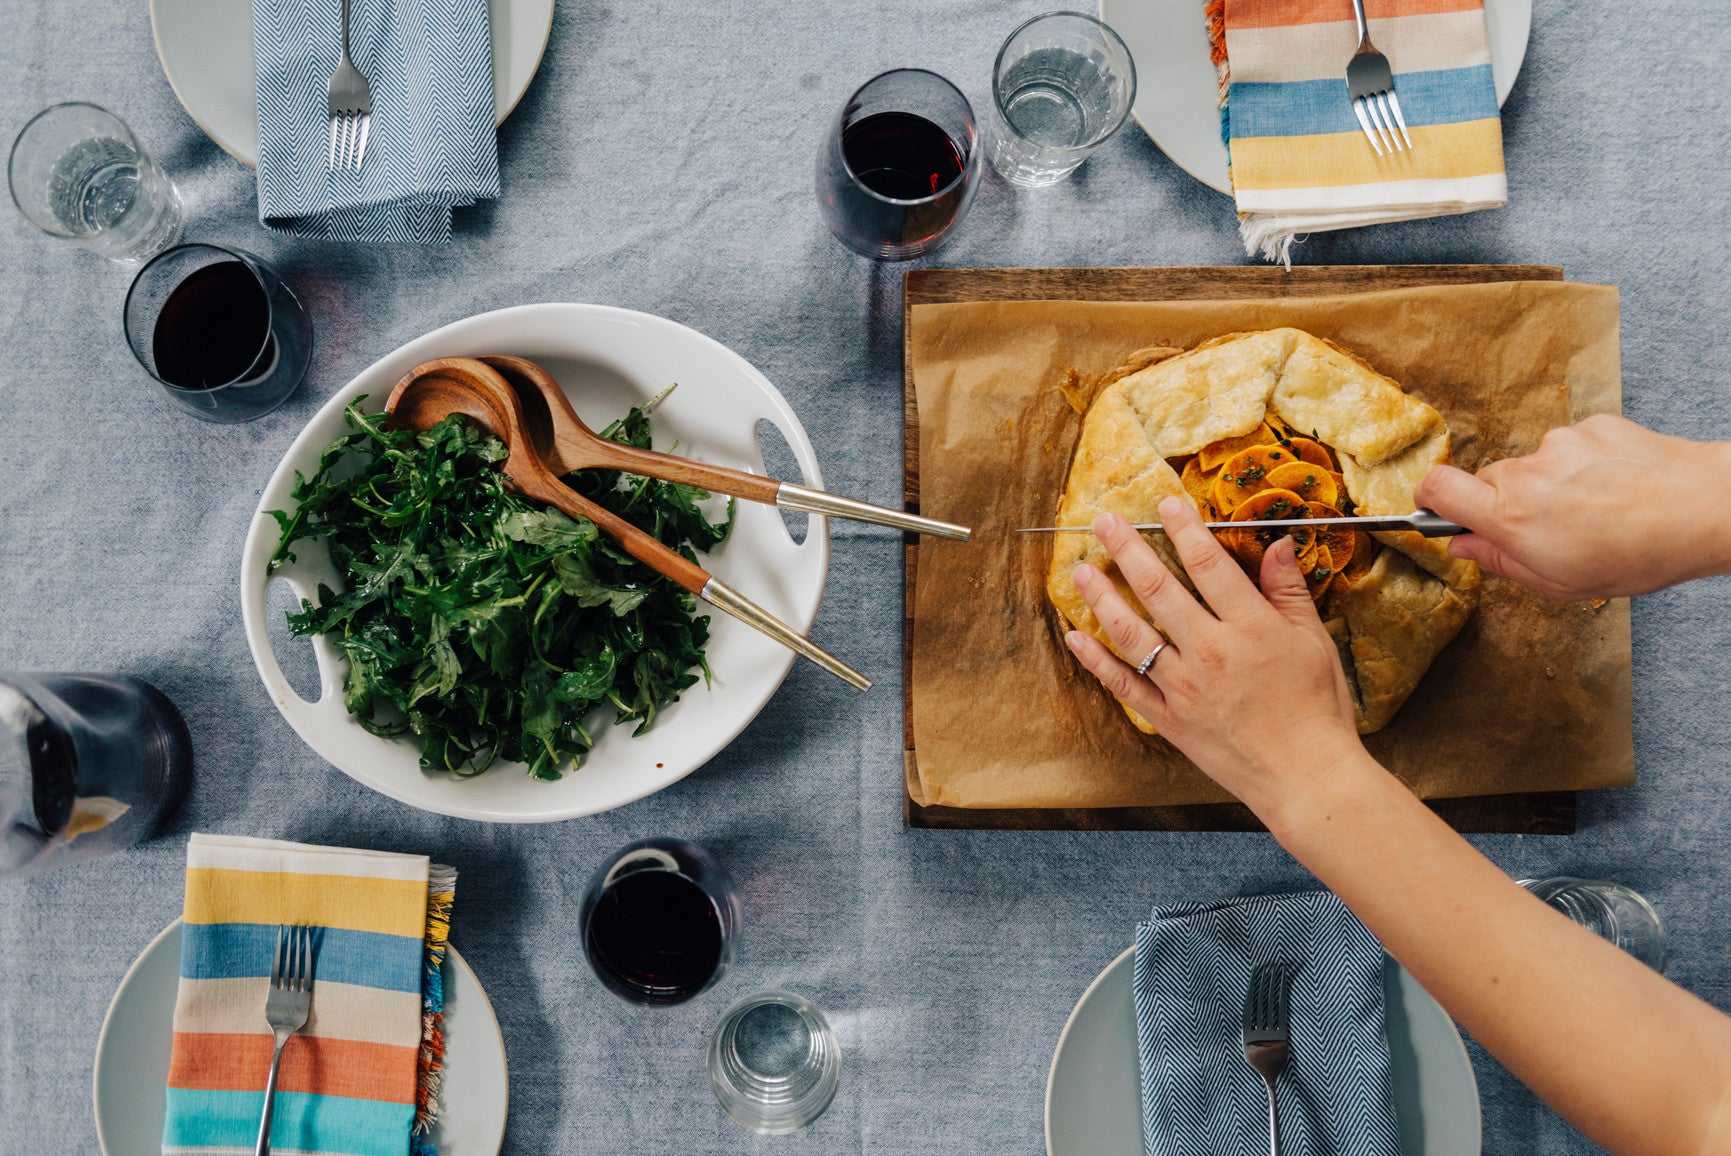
point(89, 764)
point(225, 337)
point(658, 921)
point(1063, 83)
point(78, 173)
point(1609, 910)
point(900, 164)
point(773, 1062)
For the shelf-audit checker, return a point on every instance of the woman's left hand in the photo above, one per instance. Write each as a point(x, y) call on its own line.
point(1246, 682)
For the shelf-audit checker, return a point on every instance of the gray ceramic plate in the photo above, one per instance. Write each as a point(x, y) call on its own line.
point(132, 1058)
point(206, 49)
point(1094, 1102)
point(1177, 94)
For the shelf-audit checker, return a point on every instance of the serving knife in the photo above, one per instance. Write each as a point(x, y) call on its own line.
point(1419, 521)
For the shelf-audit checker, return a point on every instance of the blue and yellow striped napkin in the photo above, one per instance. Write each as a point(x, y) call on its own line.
point(1300, 161)
point(362, 1078)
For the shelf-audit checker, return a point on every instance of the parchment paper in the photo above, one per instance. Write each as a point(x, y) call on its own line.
point(1533, 695)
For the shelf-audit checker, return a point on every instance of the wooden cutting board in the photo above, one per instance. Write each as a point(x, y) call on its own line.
point(1548, 813)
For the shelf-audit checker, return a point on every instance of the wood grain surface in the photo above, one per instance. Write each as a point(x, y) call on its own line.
point(1547, 813)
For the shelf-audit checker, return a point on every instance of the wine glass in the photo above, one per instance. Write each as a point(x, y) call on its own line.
point(899, 165)
point(658, 921)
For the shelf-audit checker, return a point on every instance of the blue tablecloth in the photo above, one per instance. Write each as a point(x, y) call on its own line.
point(662, 161)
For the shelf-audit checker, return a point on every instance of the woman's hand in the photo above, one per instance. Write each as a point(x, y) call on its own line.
point(1250, 686)
point(1603, 508)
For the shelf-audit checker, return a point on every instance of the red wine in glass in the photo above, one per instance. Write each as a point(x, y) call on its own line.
point(899, 166)
point(658, 922)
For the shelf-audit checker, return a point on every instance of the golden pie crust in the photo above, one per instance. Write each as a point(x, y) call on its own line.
point(1389, 620)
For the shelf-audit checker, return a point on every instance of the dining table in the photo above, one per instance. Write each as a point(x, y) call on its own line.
point(662, 160)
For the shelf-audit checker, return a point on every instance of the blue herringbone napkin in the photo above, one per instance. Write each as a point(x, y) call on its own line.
point(1199, 1097)
point(432, 146)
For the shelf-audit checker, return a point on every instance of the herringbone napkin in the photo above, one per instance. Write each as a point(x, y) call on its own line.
point(1199, 1097)
point(432, 145)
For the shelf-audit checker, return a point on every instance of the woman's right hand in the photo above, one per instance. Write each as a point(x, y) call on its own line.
point(1604, 508)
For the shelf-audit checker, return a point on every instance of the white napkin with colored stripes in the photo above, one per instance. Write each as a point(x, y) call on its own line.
point(1300, 160)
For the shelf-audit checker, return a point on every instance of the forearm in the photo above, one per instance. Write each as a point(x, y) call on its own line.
point(1635, 1062)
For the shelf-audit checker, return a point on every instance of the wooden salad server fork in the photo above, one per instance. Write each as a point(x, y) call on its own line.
point(572, 445)
point(434, 390)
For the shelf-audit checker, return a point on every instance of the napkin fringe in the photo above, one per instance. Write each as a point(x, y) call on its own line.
point(430, 1067)
point(1265, 233)
point(1215, 14)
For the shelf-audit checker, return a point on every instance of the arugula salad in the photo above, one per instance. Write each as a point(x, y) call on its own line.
point(488, 625)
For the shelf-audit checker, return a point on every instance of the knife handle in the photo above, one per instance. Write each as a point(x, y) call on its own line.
point(1434, 525)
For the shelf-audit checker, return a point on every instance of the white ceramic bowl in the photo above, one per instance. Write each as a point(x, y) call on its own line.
point(607, 359)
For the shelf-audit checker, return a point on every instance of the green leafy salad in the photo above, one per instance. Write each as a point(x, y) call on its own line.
point(485, 623)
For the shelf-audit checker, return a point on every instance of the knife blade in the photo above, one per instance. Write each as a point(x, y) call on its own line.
point(1424, 522)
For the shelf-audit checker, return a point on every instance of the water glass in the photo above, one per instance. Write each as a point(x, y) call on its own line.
point(89, 764)
point(78, 173)
point(773, 1062)
point(1063, 83)
point(219, 330)
point(658, 921)
point(899, 166)
point(1609, 910)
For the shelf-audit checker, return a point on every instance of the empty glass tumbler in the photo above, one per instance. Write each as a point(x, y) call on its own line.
point(1062, 85)
point(1609, 910)
point(89, 764)
point(774, 1064)
point(77, 173)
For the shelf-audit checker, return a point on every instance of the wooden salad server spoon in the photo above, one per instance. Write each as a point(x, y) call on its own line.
point(434, 390)
point(572, 445)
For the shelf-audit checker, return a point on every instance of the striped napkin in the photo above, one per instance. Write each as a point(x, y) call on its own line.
point(1300, 161)
point(432, 145)
point(1192, 970)
point(362, 1078)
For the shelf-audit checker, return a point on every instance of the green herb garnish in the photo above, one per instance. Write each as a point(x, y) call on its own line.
point(486, 623)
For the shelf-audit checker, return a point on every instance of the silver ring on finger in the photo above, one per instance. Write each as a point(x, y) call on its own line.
point(1143, 666)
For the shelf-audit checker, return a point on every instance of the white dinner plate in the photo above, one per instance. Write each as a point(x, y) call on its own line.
point(1178, 96)
point(206, 49)
point(131, 1080)
point(1094, 1098)
point(608, 360)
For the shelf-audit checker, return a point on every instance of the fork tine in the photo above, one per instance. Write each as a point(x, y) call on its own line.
point(276, 959)
point(1388, 140)
point(1394, 106)
point(1364, 123)
point(366, 127)
point(347, 141)
point(331, 163)
point(1387, 115)
point(303, 957)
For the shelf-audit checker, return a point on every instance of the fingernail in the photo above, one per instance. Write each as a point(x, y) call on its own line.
point(1106, 523)
point(1073, 639)
point(1288, 551)
point(1170, 508)
point(1082, 575)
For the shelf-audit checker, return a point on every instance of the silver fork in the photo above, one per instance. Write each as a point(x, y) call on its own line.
point(285, 1008)
point(349, 104)
point(1371, 82)
point(1267, 1023)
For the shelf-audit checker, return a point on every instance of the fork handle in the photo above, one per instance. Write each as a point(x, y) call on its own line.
point(1357, 10)
point(263, 1148)
point(1273, 1119)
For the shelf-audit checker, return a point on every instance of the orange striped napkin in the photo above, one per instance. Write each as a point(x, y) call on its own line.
point(362, 1077)
point(1300, 161)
